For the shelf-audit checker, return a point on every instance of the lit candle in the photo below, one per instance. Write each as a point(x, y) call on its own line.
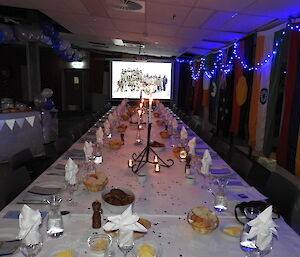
point(150, 103)
point(155, 159)
point(141, 105)
point(143, 100)
point(139, 112)
point(130, 163)
point(157, 168)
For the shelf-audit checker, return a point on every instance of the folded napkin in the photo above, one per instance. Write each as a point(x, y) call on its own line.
point(88, 149)
point(106, 127)
point(206, 162)
point(174, 124)
point(183, 133)
point(29, 222)
point(99, 135)
point(71, 169)
point(192, 145)
point(126, 223)
point(263, 227)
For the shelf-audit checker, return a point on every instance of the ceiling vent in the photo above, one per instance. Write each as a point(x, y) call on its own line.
point(133, 44)
point(127, 5)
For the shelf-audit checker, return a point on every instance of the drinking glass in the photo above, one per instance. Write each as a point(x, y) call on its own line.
point(125, 246)
point(248, 245)
point(70, 188)
point(31, 250)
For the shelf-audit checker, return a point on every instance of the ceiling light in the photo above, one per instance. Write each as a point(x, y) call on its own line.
point(77, 65)
point(118, 42)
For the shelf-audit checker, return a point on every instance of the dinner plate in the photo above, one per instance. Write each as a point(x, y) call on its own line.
point(50, 184)
point(58, 249)
point(8, 234)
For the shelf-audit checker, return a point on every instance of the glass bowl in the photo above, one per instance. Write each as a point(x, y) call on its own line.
point(99, 243)
point(147, 245)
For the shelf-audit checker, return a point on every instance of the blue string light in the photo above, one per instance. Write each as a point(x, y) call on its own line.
point(228, 66)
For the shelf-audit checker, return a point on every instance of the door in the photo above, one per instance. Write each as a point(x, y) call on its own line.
point(74, 90)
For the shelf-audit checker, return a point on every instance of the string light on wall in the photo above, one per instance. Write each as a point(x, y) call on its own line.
point(228, 65)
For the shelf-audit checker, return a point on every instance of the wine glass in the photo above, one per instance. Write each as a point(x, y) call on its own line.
point(71, 188)
point(249, 246)
point(125, 242)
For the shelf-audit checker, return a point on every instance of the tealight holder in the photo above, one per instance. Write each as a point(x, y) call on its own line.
point(130, 163)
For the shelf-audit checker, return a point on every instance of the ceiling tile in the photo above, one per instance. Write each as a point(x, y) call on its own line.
point(241, 23)
point(167, 14)
point(208, 45)
point(228, 5)
point(189, 3)
point(161, 29)
point(129, 26)
point(221, 35)
point(94, 7)
point(217, 19)
point(118, 14)
point(274, 8)
point(197, 51)
point(189, 33)
point(100, 24)
point(196, 17)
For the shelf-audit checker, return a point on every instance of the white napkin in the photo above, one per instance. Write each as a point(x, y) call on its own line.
point(106, 126)
point(127, 223)
point(206, 162)
point(263, 227)
point(99, 135)
point(29, 222)
point(192, 145)
point(71, 169)
point(88, 149)
point(183, 133)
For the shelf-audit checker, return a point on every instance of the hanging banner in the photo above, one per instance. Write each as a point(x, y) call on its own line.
point(30, 120)
point(10, 123)
point(20, 122)
point(1, 124)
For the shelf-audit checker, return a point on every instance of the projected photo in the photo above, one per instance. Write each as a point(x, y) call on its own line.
point(132, 79)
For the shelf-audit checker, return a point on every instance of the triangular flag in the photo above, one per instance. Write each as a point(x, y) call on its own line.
point(1, 124)
point(30, 120)
point(10, 123)
point(20, 122)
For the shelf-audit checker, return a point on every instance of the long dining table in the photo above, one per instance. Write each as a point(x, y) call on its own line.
point(164, 199)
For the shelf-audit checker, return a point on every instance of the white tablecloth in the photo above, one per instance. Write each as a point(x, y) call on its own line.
point(164, 199)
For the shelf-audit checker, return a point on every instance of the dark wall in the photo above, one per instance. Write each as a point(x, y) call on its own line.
point(12, 58)
point(96, 72)
point(51, 68)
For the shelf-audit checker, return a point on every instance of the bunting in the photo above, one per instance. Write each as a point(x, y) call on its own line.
point(30, 120)
point(20, 122)
point(10, 123)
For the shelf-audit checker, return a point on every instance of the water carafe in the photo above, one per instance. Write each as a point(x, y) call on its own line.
point(55, 226)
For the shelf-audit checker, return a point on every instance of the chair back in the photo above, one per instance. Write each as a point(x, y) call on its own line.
point(282, 193)
point(258, 176)
point(21, 158)
point(241, 163)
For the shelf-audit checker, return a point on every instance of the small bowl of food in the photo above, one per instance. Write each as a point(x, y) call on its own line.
point(176, 151)
point(125, 117)
point(122, 128)
point(165, 134)
point(117, 200)
point(202, 220)
point(147, 248)
point(156, 114)
point(95, 182)
point(115, 144)
point(159, 122)
point(99, 243)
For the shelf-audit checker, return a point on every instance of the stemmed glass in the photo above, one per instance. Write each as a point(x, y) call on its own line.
point(125, 242)
point(71, 188)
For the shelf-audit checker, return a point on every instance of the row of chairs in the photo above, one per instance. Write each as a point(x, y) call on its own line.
point(23, 167)
point(281, 192)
